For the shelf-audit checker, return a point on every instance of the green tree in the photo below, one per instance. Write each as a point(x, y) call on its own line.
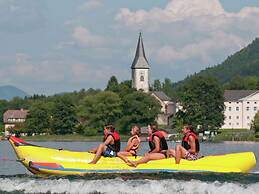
point(138, 108)
point(97, 110)
point(236, 83)
point(167, 88)
point(255, 125)
point(3, 108)
point(63, 116)
point(18, 103)
point(203, 103)
point(251, 82)
point(157, 85)
point(124, 88)
point(112, 84)
point(38, 119)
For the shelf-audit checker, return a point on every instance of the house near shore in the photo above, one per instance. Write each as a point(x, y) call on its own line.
point(168, 107)
point(13, 118)
point(240, 108)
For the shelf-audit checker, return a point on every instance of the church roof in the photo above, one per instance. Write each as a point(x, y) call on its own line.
point(162, 96)
point(140, 60)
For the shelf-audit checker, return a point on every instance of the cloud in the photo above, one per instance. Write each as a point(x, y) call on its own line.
point(56, 74)
point(66, 44)
point(174, 11)
point(85, 37)
point(90, 5)
point(177, 10)
point(204, 48)
point(189, 35)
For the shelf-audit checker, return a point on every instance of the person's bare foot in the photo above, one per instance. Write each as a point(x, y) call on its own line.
point(92, 162)
point(131, 163)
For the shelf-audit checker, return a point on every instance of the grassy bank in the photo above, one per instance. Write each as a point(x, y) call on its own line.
point(235, 135)
point(69, 137)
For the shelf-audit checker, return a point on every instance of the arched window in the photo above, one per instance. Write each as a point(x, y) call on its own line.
point(142, 78)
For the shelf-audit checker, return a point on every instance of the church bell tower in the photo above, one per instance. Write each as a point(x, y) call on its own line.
point(140, 68)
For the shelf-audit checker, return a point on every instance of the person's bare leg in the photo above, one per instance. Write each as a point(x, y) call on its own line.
point(122, 155)
point(147, 158)
point(98, 154)
point(179, 153)
point(170, 153)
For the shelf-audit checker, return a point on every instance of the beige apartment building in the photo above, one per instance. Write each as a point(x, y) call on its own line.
point(240, 108)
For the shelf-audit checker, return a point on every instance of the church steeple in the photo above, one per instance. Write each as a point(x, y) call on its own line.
point(140, 60)
point(140, 68)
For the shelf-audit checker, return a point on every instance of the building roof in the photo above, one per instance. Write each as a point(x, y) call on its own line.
point(140, 60)
point(162, 96)
point(15, 114)
point(235, 95)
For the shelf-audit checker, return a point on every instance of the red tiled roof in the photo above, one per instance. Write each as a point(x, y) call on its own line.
point(15, 114)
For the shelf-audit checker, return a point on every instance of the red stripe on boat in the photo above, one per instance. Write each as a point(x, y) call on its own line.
point(17, 140)
point(46, 164)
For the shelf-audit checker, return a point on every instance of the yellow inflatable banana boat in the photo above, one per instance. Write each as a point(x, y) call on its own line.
point(41, 160)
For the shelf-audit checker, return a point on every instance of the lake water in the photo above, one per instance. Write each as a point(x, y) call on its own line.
point(14, 178)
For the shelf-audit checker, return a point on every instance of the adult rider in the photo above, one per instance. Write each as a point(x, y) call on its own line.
point(190, 146)
point(110, 146)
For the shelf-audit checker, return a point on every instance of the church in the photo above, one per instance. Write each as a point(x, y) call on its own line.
point(140, 80)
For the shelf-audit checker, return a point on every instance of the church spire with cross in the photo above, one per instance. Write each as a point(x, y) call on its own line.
point(140, 68)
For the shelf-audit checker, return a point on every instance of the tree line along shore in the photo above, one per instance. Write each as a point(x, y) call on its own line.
point(85, 112)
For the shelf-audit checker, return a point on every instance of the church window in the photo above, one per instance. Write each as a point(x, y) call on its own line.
point(141, 78)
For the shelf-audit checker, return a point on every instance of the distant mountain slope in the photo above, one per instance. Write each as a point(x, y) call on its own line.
point(8, 92)
point(243, 63)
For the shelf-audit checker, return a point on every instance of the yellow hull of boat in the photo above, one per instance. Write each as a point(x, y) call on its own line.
point(41, 160)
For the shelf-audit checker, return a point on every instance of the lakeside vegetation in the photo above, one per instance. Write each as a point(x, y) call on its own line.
point(235, 135)
point(84, 113)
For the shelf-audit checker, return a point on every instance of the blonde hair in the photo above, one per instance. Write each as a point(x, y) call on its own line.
point(138, 130)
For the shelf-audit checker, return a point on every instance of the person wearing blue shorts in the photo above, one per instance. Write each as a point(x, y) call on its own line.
point(110, 146)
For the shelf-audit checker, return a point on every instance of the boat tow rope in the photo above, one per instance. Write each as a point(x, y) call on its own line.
point(11, 160)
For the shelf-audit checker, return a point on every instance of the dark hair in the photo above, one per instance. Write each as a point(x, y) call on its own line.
point(153, 126)
point(110, 127)
point(187, 126)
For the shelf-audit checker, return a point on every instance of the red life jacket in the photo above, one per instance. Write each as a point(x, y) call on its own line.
point(185, 141)
point(117, 144)
point(163, 143)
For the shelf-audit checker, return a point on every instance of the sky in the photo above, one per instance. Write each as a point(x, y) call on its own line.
point(49, 47)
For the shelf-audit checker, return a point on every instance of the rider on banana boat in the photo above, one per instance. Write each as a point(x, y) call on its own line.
point(190, 146)
point(110, 146)
point(158, 147)
point(132, 145)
